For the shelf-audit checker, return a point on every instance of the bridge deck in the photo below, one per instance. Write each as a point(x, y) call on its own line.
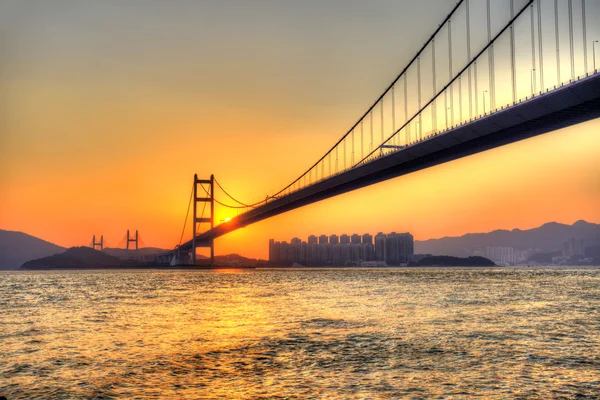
point(567, 105)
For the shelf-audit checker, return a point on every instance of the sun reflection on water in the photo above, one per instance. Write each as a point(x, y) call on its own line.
point(318, 334)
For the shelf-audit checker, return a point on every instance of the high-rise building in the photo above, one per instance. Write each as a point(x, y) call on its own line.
point(323, 252)
point(498, 254)
point(380, 247)
point(368, 252)
point(313, 253)
point(303, 252)
point(274, 251)
point(334, 239)
point(345, 252)
point(393, 248)
point(573, 247)
point(336, 253)
point(406, 247)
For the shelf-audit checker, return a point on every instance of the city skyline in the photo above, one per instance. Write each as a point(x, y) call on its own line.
point(344, 249)
point(110, 104)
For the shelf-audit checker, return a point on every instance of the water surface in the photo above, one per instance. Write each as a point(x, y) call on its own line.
point(340, 333)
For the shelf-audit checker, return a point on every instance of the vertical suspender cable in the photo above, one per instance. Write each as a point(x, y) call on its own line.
point(434, 108)
point(490, 56)
point(585, 67)
point(393, 109)
point(344, 153)
point(419, 97)
point(371, 131)
point(406, 109)
point(540, 40)
point(534, 78)
point(572, 55)
point(446, 108)
point(557, 43)
point(460, 104)
point(469, 59)
point(450, 70)
point(362, 140)
point(475, 87)
point(512, 53)
point(352, 157)
point(382, 120)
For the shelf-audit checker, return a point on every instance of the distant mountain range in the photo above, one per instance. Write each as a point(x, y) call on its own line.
point(17, 247)
point(548, 238)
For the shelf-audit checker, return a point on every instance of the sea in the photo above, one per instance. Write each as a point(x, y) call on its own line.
point(447, 333)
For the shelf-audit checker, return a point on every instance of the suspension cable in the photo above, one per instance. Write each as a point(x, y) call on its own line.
point(390, 86)
point(511, 22)
point(230, 196)
point(186, 215)
point(227, 205)
point(244, 205)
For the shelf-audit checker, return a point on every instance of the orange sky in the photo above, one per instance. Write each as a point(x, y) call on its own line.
point(107, 113)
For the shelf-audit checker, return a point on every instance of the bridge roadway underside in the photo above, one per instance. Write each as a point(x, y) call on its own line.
point(569, 105)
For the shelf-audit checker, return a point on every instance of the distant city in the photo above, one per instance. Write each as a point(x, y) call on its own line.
point(398, 249)
point(362, 250)
point(572, 249)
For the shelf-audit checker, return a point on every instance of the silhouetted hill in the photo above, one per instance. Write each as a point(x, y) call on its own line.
point(548, 237)
point(238, 260)
point(75, 257)
point(447, 261)
point(124, 254)
point(18, 247)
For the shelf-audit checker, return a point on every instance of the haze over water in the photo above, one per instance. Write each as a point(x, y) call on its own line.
point(352, 333)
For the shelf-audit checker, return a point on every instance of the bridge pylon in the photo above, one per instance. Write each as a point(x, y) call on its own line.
point(99, 244)
point(132, 239)
point(208, 196)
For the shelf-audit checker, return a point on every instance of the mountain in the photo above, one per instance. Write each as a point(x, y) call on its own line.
point(18, 247)
point(75, 257)
point(548, 237)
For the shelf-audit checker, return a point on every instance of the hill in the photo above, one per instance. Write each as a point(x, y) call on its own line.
point(18, 247)
point(236, 260)
point(146, 252)
point(75, 257)
point(548, 238)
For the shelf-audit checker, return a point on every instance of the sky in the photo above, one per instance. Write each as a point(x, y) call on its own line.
point(107, 109)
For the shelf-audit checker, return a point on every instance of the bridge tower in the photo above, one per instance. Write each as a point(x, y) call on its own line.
point(99, 244)
point(208, 196)
point(132, 239)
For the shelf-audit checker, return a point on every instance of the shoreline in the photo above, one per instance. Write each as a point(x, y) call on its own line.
point(220, 267)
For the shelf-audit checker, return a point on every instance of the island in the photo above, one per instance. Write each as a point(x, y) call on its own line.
point(82, 258)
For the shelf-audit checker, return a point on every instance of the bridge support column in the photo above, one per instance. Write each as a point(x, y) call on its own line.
point(132, 239)
point(208, 197)
point(99, 244)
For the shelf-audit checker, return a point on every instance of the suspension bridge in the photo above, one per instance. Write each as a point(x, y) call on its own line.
point(492, 73)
